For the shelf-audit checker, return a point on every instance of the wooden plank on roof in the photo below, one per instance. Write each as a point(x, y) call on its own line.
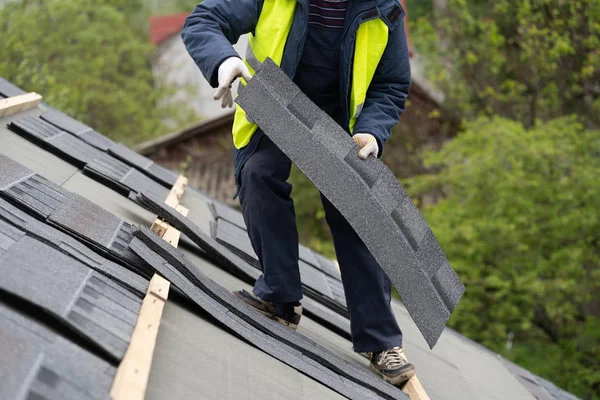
point(176, 191)
point(16, 104)
point(131, 379)
point(413, 387)
point(132, 375)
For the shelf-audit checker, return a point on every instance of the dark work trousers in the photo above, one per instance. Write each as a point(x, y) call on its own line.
point(269, 215)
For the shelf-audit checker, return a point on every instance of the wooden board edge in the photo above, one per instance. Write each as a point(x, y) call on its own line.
point(176, 192)
point(413, 387)
point(16, 104)
point(131, 379)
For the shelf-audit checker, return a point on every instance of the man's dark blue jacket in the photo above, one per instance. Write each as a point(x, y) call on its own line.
point(214, 25)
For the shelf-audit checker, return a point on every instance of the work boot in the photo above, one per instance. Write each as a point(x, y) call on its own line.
point(392, 366)
point(287, 314)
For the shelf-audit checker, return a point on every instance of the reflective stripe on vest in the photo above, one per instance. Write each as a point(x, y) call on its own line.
point(269, 39)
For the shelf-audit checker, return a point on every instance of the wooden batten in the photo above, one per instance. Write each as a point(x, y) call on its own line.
point(17, 104)
point(131, 379)
point(132, 375)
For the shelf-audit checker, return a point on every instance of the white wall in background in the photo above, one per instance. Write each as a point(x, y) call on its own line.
point(174, 66)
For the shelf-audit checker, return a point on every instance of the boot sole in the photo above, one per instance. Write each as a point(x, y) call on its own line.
point(269, 315)
point(396, 380)
point(282, 321)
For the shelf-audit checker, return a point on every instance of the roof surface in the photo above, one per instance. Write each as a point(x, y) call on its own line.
point(196, 354)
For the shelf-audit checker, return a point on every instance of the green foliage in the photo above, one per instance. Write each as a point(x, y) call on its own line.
point(86, 60)
point(523, 59)
point(520, 223)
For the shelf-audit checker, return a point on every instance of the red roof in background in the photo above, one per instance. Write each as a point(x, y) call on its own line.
point(163, 27)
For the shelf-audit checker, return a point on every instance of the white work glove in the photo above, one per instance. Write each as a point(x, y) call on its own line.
point(368, 145)
point(229, 70)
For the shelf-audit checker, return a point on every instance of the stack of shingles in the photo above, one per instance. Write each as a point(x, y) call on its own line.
point(52, 217)
point(130, 173)
point(71, 295)
point(67, 312)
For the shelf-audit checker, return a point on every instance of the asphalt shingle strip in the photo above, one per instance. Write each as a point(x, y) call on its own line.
point(8, 89)
point(82, 131)
point(65, 243)
point(83, 299)
point(70, 212)
point(220, 210)
point(37, 363)
point(117, 150)
point(149, 167)
point(238, 326)
point(231, 262)
point(95, 162)
point(328, 157)
point(210, 295)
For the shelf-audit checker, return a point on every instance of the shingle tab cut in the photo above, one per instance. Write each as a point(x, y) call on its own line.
point(37, 363)
point(82, 298)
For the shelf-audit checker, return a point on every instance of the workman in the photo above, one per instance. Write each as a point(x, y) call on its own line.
point(350, 57)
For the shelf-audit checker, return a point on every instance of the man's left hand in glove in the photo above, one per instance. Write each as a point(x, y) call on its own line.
point(368, 145)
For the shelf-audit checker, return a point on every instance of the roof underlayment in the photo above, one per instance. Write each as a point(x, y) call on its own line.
point(76, 255)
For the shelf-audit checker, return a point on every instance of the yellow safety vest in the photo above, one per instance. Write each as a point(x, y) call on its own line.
point(269, 39)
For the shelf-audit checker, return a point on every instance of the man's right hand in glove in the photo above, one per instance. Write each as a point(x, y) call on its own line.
point(229, 70)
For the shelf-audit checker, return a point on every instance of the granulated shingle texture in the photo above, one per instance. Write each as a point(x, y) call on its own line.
point(240, 327)
point(117, 150)
point(384, 218)
point(82, 298)
point(197, 286)
point(23, 186)
point(12, 172)
point(144, 164)
point(122, 177)
point(83, 217)
point(65, 243)
point(82, 131)
point(37, 363)
point(95, 162)
point(72, 213)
